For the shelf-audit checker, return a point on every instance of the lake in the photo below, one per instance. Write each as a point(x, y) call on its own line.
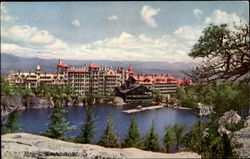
point(36, 120)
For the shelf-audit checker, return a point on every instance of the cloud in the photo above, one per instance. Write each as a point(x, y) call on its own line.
point(5, 17)
point(30, 52)
point(76, 22)
point(187, 34)
point(21, 31)
point(221, 17)
point(114, 17)
point(147, 13)
point(197, 13)
point(25, 40)
point(42, 37)
point(126, 46)
point(18, 50)
point(58, 44)
point(26, 35)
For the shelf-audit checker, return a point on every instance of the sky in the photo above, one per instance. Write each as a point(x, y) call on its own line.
point(131, 31)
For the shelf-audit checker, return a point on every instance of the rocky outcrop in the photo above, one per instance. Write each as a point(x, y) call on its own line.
point(247, 122)
point(13, 101)
point(38, 102)
point(118, 101)
point(243, 137)
point(204, 110)
point(23, 145)
point(111, 100)
point(228, 119)
point(10, 103)
point(240, 137)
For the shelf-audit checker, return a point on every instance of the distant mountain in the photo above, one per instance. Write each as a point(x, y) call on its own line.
point(11, 63)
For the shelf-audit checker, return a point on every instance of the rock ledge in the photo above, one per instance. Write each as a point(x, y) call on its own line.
point(23, 145)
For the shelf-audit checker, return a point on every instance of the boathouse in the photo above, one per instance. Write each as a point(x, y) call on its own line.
point(135, 94)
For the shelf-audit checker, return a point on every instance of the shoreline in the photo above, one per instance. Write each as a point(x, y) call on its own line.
point(153, 107)
point(129, 111)
point(182, 108)
point(136, 110)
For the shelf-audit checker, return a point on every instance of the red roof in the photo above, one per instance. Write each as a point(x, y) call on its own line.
point(145, 83)
point(62, 64)
point(185, 81)
point(131, 73)
point(93, 65)
point(151, 79)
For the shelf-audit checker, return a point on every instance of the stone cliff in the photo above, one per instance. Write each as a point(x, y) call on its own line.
point(10, 103)
point(23, 145)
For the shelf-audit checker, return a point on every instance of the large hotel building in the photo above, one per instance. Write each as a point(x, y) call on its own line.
point(96, 79)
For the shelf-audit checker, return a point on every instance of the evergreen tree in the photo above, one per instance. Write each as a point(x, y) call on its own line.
point(209, 143)
point(151, 141)
point(11, 124)
point(6, 88)
point(68, 93)
point(133, 138)
point(26, 100)
point(178, 129)
point(194, 140)
point(109, 138)
point(90, 99)
point(58, 125)
point(169, 138)
point(87, 129)
point(227, 146)
point(225, 53)
point(218, 145)
point(158, 97)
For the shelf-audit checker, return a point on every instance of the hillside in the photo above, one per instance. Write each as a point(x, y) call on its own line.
point(23, 145)
point(12, 63)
